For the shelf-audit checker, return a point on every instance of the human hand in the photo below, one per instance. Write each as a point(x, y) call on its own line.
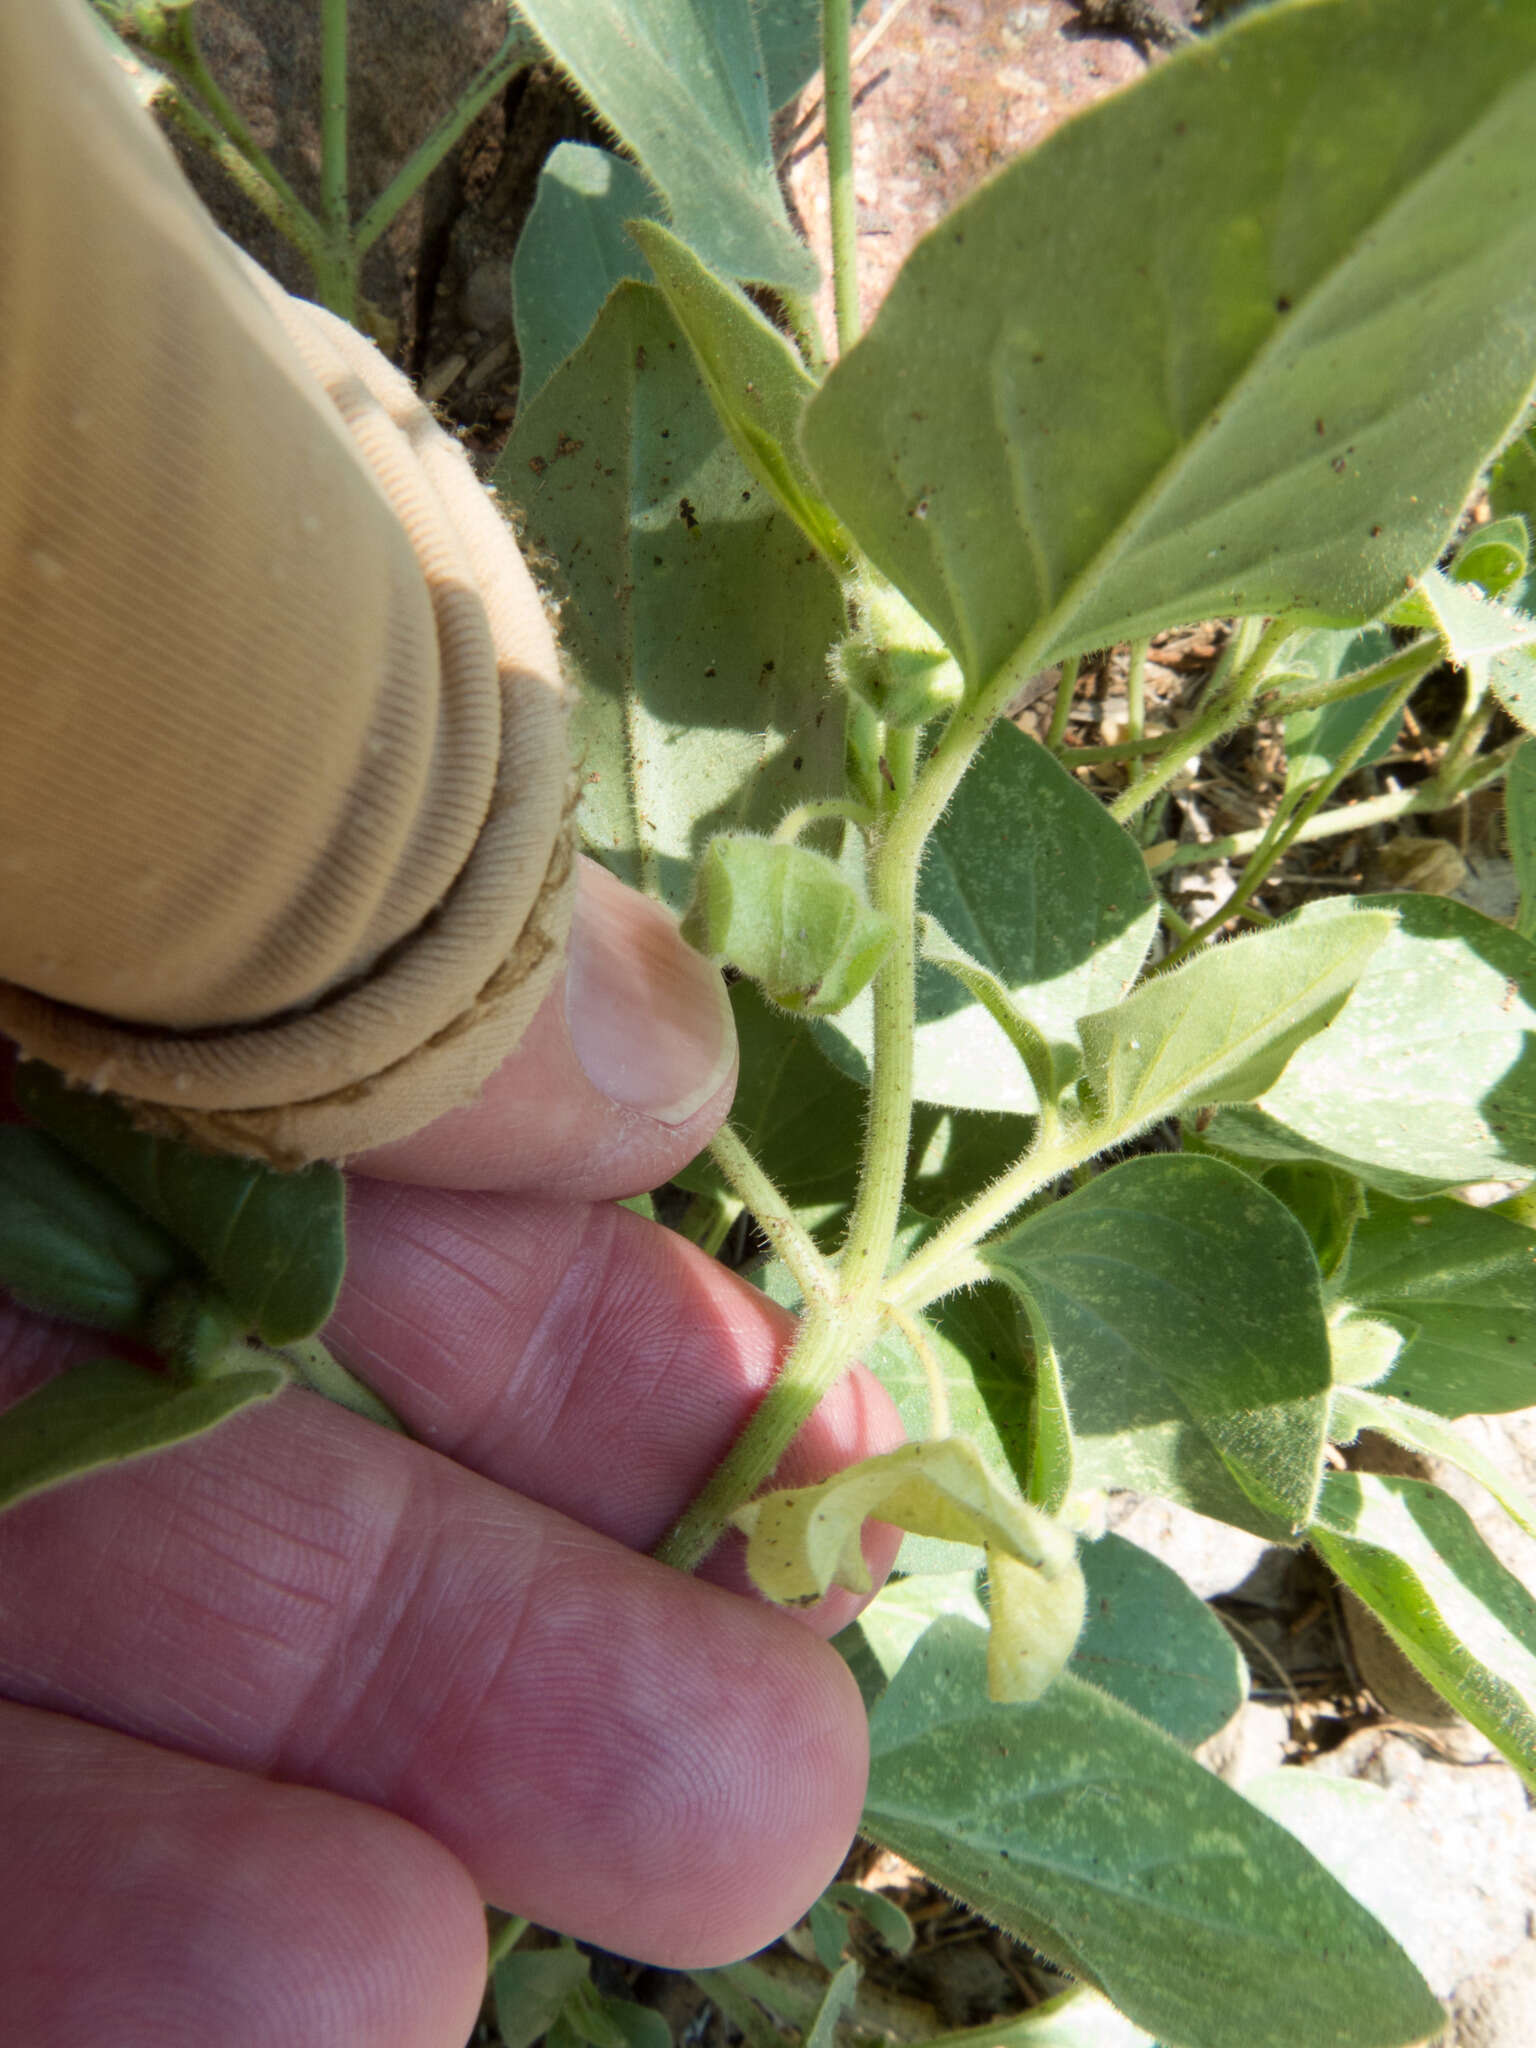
point(286, 1704)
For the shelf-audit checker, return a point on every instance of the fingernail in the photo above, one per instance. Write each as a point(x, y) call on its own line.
point(649, 1018)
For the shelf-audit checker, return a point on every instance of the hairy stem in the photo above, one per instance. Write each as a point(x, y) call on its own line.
point(1361, 817)
point(911, 1327)
point(837, 73)
point(314, 1367)
point(812, 1274)
point(803, 816)
point(1281, 837)
point(519, 47)
point(1461, 748)
point(948, 1260)
point(1228, 708)
point(872, 1227)
point(1391, 669)
point(333, 116)
point(1061, 711)
point(503, 1932)
point(221, 132)
point(829, 1338)
point(1136, 694)
point(845, 1307)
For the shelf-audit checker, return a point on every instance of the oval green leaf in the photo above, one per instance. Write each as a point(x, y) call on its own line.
point(105, 1412)
point(1459, 1286)
point(1184, 1310)
point(698, 617)
point(1091, 1835)
point(1154, 1645)
point(1425, 1081)
point(681, 83)
point(1222, 1027)
point(1233, 341)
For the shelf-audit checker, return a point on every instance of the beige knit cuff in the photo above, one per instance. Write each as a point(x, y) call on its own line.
point(286, 847)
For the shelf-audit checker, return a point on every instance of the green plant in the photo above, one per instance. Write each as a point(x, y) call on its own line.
point(1239, 343)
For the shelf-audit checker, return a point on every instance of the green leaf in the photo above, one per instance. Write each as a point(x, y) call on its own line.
point(1460, 1285)
point(1473, 627)
point(637, 2026)
point(1032, 878)
point(759, 385)
point(1004, 1395)
point(837, 2003)
point(698, 617)
point(883, 1914)
point(532, 1988)
point(829, 1933)
point(1316, 738)
point(790, 31)
point(1364, 1836)
point(1415, 1558)
point(681, 83)
point(1235, 341)
point(105, 1412)
point(1152, 1644)
point(1091, 1835)
point(1494, 643)
point(1183, 1305)
point(1075, 2019)
point(1495, 557)
point(1427, 1080)
point(590, 2017)
point(1512, 484)
point(1326, 1202)
point(1512, 677)
point(70, 1245)
point(1355, 1408)
point(789, 919)
point(575, 248)
point(1520, 824)
point(275, 1242)
point(802, 1540)
point(1222, 1027)
point(802, 1119)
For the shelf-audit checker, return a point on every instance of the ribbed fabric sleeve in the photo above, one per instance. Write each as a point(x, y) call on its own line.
point(285, 851)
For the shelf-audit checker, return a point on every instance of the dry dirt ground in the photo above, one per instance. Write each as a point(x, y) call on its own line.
point(947, 91)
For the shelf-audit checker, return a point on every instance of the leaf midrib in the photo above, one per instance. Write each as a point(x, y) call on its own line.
point(1082, 588)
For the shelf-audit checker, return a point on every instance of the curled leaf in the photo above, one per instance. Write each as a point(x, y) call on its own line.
point(895, 661)
point(803, 1540)
point(789, 919)
point(1495, 556)
point(275, 1242)
point(70, 1245)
